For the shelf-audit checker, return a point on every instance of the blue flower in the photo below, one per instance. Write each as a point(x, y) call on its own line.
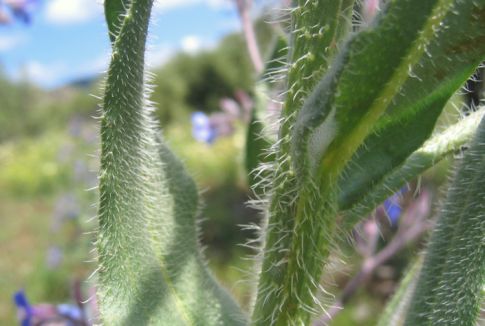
point(393, 208)
point(21, 14)
point(202, 129)
point(22, 303)
point(21, 9)
point(70, 311)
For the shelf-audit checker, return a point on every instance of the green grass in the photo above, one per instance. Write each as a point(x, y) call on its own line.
point(34, 174)
point(23, 242)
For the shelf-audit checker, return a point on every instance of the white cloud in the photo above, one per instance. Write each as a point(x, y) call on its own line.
point(42, 74)
point(166, 5)
point(65, 12)
point(51, 75)
point(8, 42)
point(72, 11)
point(96, 66)
point(191, 44)
point(156, 56)
point(159, 54)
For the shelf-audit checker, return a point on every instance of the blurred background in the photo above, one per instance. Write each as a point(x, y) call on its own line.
point(52, 57)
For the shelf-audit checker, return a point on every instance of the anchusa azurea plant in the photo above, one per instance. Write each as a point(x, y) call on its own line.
point(361, 100)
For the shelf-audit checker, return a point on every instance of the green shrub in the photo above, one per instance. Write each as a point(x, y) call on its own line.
point(32, 168)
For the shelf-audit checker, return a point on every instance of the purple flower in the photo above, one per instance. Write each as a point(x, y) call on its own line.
point(54, 257)
point(66, 208)
point(370, 10)
point(202, 129)
point(230, 106)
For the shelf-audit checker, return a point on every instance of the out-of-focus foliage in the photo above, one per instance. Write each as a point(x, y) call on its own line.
point(198, 82)
point(31, 168)
point(16, 104)
point(28, 111)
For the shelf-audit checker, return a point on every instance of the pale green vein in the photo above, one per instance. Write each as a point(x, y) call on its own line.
point(334, 162)
point(433, 151)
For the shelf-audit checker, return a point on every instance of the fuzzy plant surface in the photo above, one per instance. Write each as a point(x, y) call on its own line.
point(449, 287)
point(375, 106)
point(358, 118)
point(150, 269)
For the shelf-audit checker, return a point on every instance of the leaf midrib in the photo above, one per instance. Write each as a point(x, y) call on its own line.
point(334, 161)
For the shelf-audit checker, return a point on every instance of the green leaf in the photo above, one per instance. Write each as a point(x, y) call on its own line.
point(450, 58)
point(190, 284)
point(449, 288)
point(257, 143)
point(432, 152)
point(114, 11)
point(370, 74)
point(150, 268)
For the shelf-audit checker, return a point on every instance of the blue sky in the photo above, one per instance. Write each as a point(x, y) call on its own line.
point(67, 39)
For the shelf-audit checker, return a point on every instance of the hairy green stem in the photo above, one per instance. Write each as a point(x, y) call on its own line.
point(126, 164)
point(150, 269)
point(317, 25)
point(449, 289)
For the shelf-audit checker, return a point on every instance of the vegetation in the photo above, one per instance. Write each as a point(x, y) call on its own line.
point(48, 146)
point(349, 97)
point(45, 140)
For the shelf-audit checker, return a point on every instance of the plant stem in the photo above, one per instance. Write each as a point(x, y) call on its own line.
point(244, 9)
point(450, 286)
